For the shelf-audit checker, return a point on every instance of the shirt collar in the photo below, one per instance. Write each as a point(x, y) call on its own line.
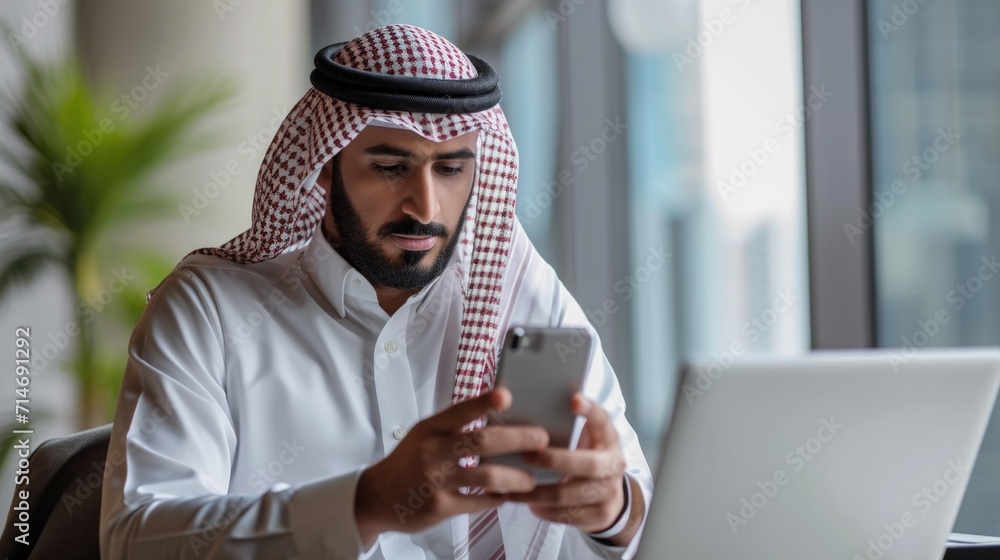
point(337, 279)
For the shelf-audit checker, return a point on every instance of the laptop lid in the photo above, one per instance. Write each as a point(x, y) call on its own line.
point(841, 454)
point(980, 511)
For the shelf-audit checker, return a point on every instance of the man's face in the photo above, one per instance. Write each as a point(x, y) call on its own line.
point(396, 203)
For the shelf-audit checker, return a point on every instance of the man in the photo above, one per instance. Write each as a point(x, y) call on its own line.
point(305, 391)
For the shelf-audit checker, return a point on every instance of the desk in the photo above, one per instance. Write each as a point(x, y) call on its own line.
point(977, 552)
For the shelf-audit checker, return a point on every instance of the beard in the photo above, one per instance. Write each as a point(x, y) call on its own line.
point(363, 252)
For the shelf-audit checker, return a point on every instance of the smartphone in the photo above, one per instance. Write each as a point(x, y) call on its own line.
point(542, 367)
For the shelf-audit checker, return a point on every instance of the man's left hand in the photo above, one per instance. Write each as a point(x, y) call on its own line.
point(591, 495)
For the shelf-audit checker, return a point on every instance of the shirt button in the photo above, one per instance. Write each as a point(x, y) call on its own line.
point(399, 433)
point(390, 346)
point(356, 282)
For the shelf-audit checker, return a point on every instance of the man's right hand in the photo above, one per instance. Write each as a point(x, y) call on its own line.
point(425, 465)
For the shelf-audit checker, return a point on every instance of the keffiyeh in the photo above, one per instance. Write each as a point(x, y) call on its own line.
point(288, 204)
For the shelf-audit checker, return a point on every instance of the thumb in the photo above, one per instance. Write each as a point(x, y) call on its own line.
point(453, 418)
point(598, 432)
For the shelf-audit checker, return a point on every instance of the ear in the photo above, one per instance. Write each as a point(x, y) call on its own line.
point(324, 181)
point(325, 176)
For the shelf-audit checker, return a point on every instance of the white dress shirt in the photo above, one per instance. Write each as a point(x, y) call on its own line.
point(255, 395)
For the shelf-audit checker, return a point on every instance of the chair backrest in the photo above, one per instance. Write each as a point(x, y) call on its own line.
point(63, 502)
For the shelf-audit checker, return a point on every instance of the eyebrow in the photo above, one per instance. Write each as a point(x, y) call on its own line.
point(387, 150)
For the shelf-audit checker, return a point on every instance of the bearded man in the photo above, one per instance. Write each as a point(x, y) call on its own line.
point(307, 389)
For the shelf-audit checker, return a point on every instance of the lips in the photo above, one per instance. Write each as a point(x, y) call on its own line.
point(414, 242)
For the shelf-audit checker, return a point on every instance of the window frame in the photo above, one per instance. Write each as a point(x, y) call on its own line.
point(839, 175)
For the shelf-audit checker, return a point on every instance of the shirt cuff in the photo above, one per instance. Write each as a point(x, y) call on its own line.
point(623, 518)
point(322, 518)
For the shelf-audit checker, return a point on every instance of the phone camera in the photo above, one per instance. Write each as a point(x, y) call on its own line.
point(519, 340)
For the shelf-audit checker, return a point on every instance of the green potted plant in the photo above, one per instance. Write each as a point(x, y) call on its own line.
point(85, 170)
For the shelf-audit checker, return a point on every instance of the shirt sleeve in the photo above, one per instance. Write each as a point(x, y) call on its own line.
point(539, 298)
point(173, 445)
point(602, 387)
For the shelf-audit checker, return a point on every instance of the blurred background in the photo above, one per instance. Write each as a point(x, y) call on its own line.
point(710, 178)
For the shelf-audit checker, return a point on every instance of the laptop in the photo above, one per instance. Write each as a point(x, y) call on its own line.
point(843, 455)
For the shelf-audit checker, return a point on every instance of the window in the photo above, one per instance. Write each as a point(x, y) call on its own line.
point(935, 119)
point(716, 118)
point(529, 66)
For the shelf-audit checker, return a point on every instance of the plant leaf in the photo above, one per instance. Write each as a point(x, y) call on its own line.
point(23, 268)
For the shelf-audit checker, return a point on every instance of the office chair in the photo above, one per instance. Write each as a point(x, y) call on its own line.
point(64, 501)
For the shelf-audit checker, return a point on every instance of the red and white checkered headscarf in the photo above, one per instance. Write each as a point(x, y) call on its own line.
point(287, 207)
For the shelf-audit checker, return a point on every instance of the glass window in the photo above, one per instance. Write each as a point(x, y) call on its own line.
point(935, 123)
point(716, 166)
point(529, 66)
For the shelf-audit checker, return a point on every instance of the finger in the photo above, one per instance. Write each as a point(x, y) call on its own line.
point(602, 433)
point(582, 463)
point(493, 479)
point(571, 493)
point(498, 440)
point(584, 441)
point(453, 418)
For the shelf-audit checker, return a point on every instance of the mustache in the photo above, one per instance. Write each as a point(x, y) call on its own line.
point(409, 226)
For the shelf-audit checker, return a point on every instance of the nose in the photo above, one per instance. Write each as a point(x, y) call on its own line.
point(422, 203)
